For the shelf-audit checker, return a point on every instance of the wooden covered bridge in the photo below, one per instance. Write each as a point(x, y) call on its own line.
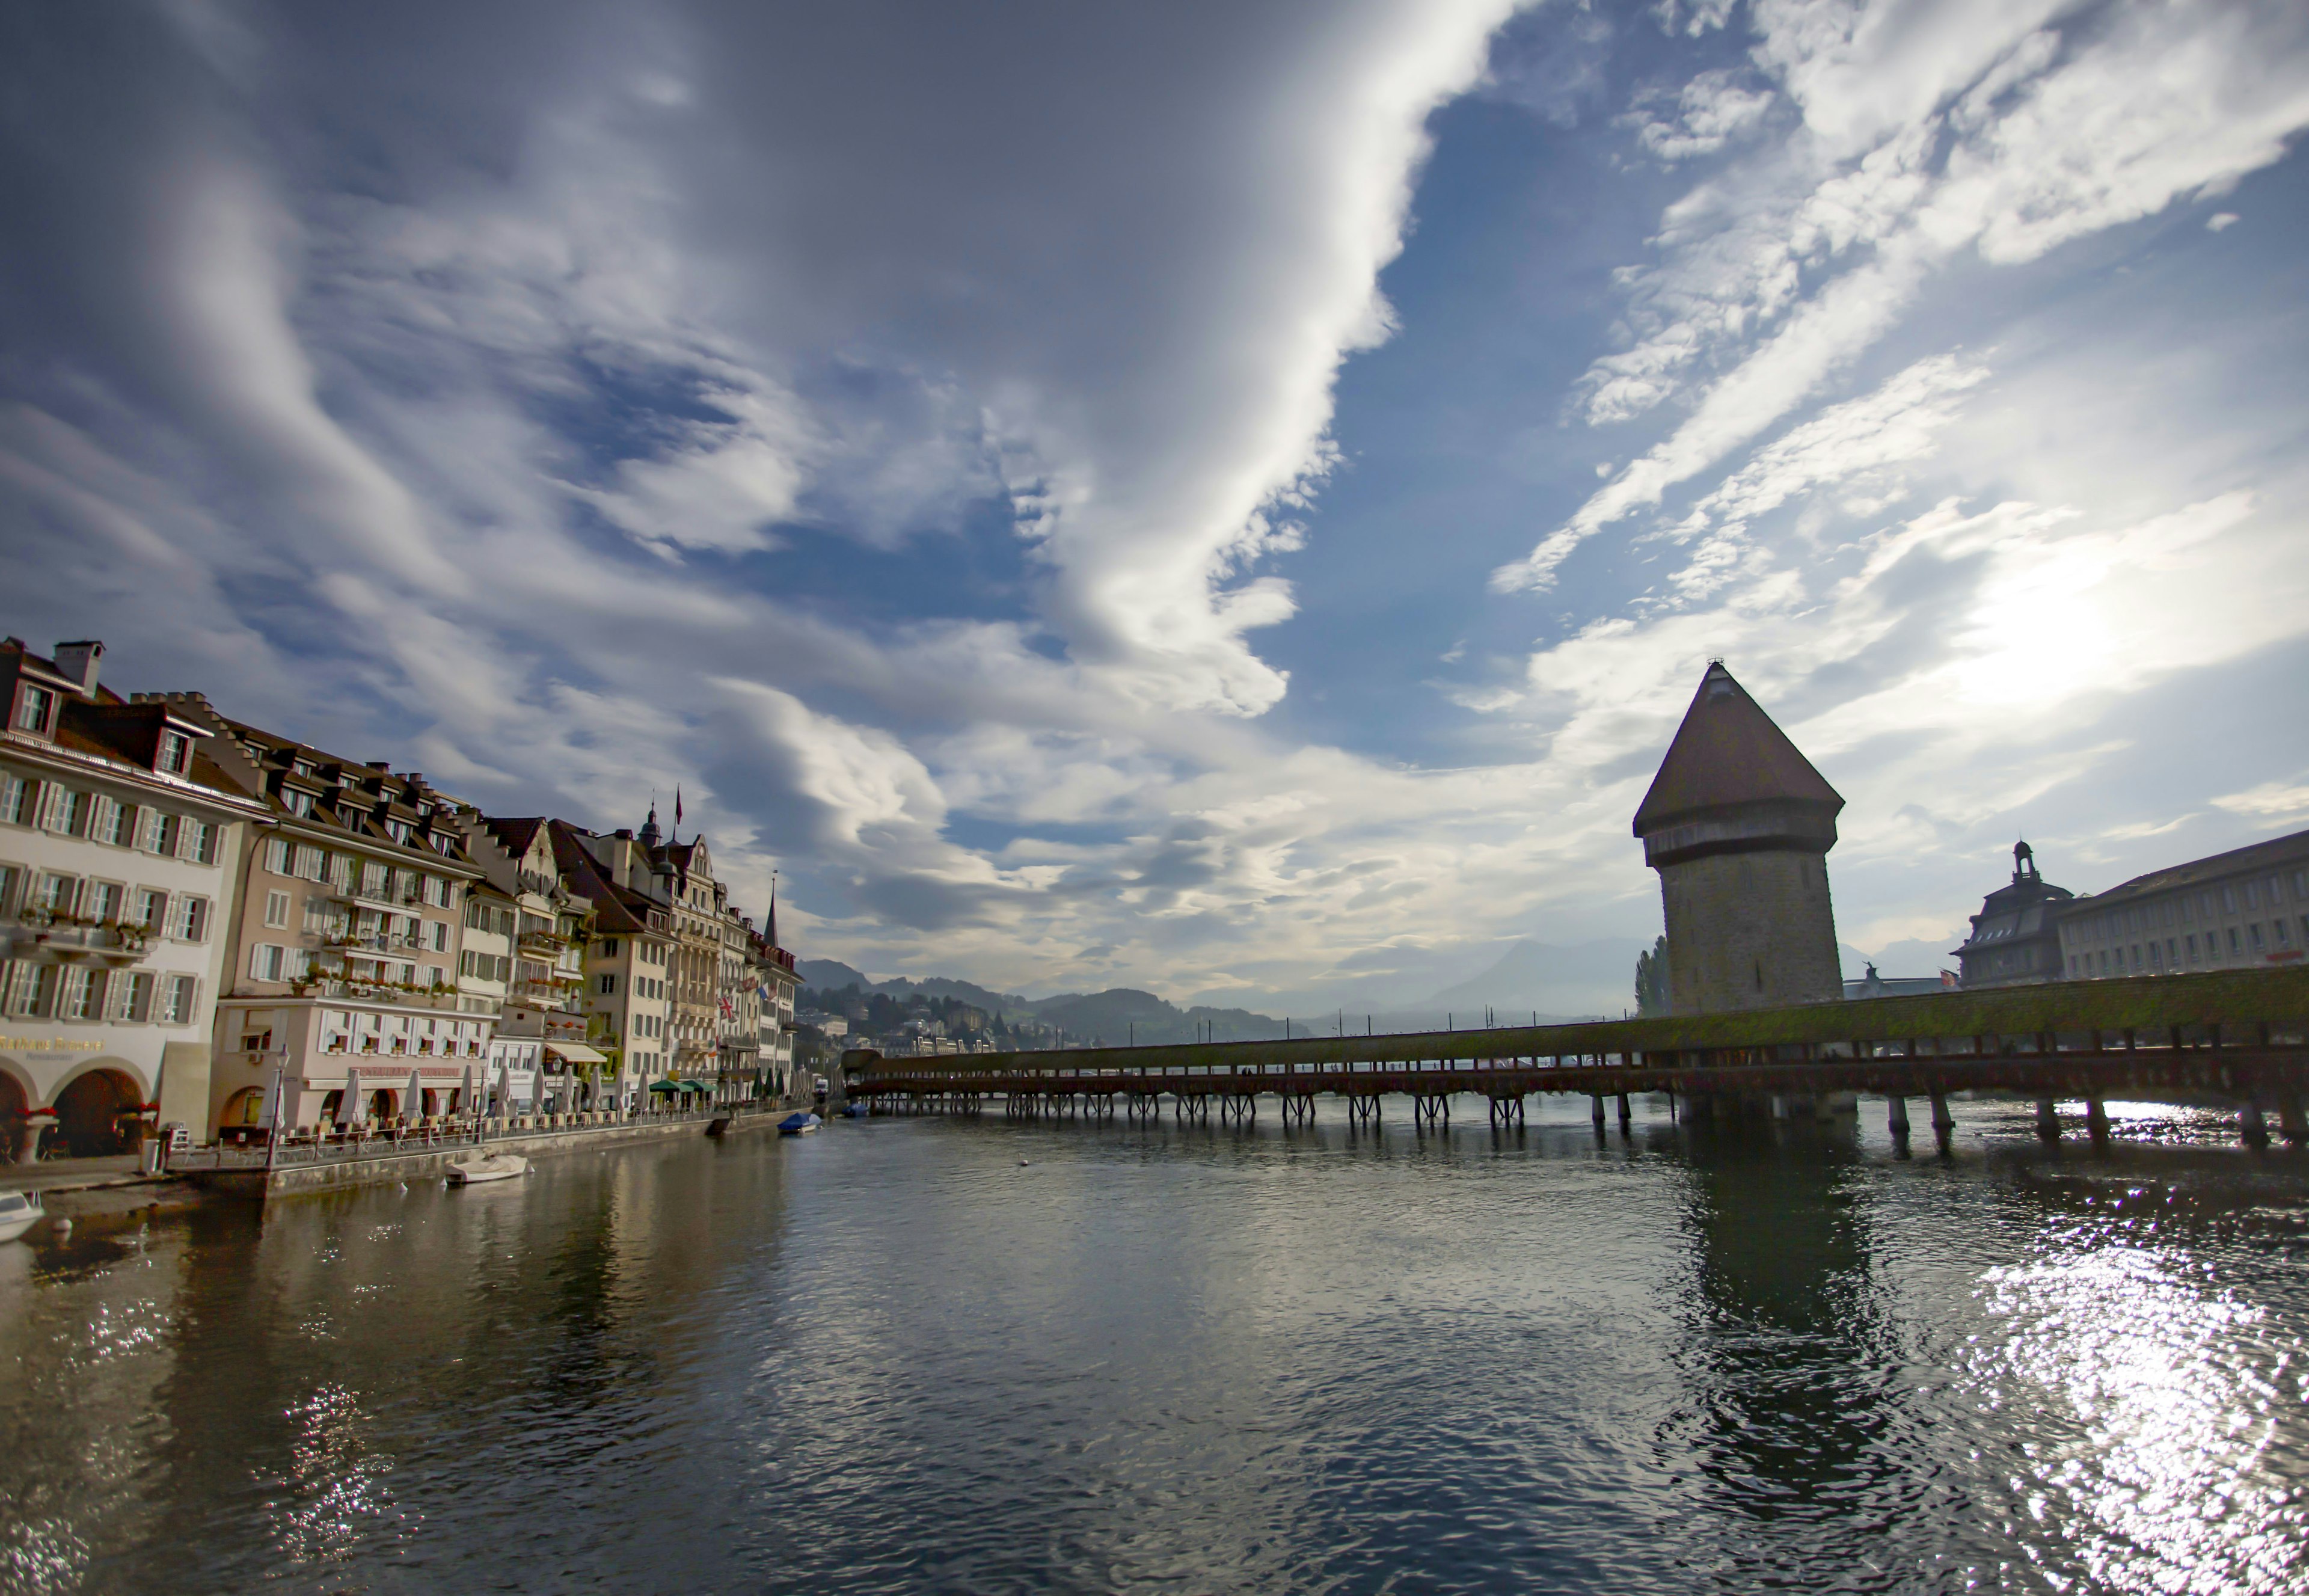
point(2240, 1037)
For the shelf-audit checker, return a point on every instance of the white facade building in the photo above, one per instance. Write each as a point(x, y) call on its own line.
point(120, 839)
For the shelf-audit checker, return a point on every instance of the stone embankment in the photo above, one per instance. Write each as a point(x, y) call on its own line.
point(305, 1169)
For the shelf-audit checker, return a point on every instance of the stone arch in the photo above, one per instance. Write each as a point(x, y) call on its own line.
point(242, 1110)
point(99, 1113)
point(384, 1105)
point(16, 1110)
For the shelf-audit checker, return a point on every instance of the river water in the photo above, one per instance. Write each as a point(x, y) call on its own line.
point(893, 1356)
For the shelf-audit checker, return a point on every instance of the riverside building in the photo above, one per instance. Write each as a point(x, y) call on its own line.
point(2244, 909)
point(343, 944)
point(628, 999)
point(540, 1059)
point(2015, 937)
point(120, 841)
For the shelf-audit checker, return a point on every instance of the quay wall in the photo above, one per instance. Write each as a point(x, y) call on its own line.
point(421, 1163)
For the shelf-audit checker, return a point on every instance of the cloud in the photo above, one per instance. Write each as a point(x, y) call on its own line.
point(1976, 130)
point(1709, 111)
point(2269, 801)
point(915, 440)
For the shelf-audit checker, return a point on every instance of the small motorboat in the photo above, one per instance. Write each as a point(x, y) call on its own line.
point(855, 1110)
point(18, 1213)
point(799, 1125)
point(474, 1171)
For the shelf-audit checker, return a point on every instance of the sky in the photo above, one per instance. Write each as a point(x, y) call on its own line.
point(1227, 499)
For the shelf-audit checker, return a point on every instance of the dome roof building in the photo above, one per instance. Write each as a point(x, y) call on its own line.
point(2015, 937)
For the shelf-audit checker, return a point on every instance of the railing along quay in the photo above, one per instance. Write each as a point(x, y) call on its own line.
point(2239, 1036)
point(414, 1143)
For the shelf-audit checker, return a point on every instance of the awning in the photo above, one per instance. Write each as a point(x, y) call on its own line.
point(575, 1052)
point(665, 1086)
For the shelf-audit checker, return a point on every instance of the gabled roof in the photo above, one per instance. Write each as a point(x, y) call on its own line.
point(615, 908)
point(1728, 753)
point(517, 835)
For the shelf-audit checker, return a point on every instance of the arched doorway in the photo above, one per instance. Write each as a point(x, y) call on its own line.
point(330, 1104)
point(15, 1139)
point(96, 1115)
point(384, 1105)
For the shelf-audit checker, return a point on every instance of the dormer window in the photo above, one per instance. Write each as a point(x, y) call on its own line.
point(300, 804)
point(175, 756)
point(34, 708)
point(400, 831)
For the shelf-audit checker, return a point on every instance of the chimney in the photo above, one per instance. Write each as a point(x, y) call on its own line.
point(79, 661)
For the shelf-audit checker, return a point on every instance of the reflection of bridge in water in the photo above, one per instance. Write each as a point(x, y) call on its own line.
point(2240, 1037)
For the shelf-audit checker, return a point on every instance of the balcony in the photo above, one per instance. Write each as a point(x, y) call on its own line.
point(40, 936)
point(373, 941)
point(542, 944)
point(390, 991)
point(553, 989)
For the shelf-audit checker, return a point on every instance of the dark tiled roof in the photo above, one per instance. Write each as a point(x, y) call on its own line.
point(515, 836)
point(616, 908)
point(2261, 855)
point(1728, 752)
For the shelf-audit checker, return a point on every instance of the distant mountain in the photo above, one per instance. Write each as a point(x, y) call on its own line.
point(831, 975)
point(1122, 1014)
point(941, 987)
point(1584, 980)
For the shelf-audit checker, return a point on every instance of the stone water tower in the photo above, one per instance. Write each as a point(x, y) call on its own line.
point(1739, 824)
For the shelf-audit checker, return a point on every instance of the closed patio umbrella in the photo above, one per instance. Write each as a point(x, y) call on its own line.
point(412, 1098)
point(351, 1108)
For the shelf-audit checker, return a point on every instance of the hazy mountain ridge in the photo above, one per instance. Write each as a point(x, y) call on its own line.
point(1528, 982)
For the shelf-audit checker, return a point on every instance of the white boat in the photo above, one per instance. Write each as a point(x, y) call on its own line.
point(18, 1213)
point(473, 1171)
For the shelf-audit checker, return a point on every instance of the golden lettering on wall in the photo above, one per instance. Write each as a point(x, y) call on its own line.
point(47, 1045)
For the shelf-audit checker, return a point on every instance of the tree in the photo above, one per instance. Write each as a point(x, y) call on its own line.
point(1651, 980)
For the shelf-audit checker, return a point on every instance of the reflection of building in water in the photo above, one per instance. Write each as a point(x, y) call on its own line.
point(1739, 824)
point(2015, 937)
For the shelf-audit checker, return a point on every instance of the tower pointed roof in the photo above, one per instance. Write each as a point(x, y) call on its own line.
point(1726, 754)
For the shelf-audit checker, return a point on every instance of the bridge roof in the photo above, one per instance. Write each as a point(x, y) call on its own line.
point(1728, 751)
point(2149, 1004)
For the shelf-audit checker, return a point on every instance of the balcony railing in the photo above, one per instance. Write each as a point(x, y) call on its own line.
point(391, 991)
point(374, 942)
point(41, 936)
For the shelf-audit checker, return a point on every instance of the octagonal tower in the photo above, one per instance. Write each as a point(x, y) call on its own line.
point(1739, 824)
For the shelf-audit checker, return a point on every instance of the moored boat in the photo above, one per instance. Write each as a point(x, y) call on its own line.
point(18, 1213)
point(799, 1125)
point(474, 1171)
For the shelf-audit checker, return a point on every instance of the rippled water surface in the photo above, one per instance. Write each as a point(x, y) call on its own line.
point(894, 1358)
